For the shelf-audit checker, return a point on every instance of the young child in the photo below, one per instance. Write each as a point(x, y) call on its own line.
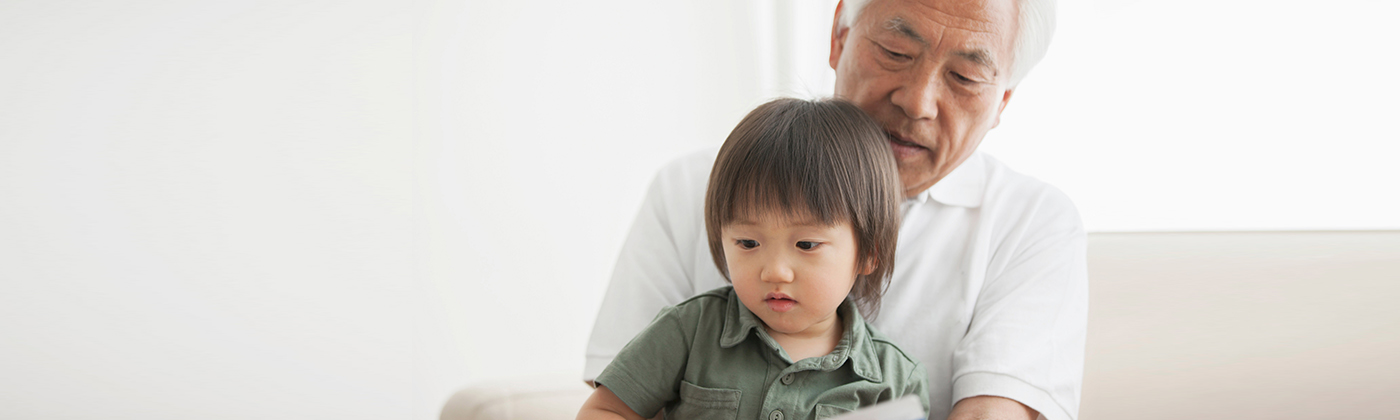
point(802, 213)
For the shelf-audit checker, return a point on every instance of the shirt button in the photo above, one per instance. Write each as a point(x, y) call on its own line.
point(787, 379)
point(776, 415)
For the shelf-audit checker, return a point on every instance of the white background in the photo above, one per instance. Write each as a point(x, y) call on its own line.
point(349, 209)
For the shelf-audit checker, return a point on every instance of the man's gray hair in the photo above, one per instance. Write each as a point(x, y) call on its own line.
point(1037, 25)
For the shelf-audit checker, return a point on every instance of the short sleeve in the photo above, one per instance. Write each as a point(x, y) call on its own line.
point(1026, 338)
point(647, 373)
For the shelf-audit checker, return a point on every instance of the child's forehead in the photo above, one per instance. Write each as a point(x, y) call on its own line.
point(788, 217)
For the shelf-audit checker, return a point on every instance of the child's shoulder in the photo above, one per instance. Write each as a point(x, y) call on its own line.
point(720, 295)
point(713, 301)
point(891, 358)
point(883, 344)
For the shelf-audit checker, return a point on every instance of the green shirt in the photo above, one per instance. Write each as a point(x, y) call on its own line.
point(710, 358)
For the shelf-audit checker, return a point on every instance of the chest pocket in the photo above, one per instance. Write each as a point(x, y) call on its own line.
point(701, 403)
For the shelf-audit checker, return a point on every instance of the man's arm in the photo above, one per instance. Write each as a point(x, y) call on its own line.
point(1025, 342)
point(991, 408)
point(660, 415)
point(605, 405)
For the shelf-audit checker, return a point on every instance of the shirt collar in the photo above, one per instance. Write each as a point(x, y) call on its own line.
point(855, 342)
point(963, 187)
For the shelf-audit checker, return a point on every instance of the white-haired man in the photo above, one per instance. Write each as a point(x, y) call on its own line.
point(990, 285)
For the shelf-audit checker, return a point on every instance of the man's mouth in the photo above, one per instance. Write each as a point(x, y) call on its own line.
point(779, 302)
point(904, 148)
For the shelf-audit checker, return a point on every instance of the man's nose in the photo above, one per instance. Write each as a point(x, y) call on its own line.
point(918, 95)
point(777, 271)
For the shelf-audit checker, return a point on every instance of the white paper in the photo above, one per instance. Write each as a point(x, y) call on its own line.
point(904, 408)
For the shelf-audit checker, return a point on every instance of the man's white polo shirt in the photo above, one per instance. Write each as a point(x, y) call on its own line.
point(989, 291)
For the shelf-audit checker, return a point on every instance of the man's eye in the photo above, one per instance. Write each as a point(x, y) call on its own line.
point(960, 78)
point(894, 55)
point(747, 243)
point(807, 245)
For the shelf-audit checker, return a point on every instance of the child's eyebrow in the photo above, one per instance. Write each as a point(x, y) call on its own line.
point(796, 223)
point(795, 220)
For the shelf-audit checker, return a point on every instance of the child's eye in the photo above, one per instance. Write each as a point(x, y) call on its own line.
point(807, 245)
point(746, 243)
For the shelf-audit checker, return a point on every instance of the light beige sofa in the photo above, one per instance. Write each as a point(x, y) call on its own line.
point(1238, 325)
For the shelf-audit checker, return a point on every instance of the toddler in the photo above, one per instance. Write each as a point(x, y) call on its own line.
point(802, 213)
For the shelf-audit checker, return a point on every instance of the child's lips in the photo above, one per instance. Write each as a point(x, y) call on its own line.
point(780, 305)
point(779, 302)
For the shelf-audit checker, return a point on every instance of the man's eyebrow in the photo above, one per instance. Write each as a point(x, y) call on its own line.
point(979, 56)
point(897, 25)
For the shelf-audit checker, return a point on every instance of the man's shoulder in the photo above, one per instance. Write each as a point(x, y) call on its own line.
point(688, 170)
point(1009, 193)
point(678, 189)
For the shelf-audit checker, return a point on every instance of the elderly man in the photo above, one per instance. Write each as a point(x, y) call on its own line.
point(990, 286)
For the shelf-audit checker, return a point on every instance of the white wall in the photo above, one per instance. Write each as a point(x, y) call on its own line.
point(333, 209)
point(206, 212)
point(337, 209)
point(543, 127)
point(1215, 115)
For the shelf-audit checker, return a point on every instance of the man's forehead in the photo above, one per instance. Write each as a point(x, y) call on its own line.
point(985, 16)
point(985, 23)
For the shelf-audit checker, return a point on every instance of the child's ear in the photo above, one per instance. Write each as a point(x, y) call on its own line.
point(868, 267)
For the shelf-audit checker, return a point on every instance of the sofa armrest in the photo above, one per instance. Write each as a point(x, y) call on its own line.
point(533, 398)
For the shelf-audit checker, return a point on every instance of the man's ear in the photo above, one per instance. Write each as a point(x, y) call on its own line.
point(838, 36)
point(1005, 97)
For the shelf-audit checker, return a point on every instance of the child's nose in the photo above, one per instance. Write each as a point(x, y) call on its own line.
point(777, 272)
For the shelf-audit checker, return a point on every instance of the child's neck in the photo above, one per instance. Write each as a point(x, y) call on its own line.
point(816, 341)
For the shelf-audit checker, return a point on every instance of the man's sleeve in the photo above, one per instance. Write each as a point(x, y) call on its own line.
point(647, 373)
point(1026, 338)
point(657, 266)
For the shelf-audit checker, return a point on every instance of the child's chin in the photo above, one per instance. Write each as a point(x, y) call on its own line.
point(784, 326)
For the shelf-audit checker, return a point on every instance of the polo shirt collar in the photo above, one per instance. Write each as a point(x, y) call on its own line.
point(855, 342)
point(963, 187)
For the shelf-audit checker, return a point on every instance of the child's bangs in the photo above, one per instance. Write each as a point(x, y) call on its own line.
point(783, 189)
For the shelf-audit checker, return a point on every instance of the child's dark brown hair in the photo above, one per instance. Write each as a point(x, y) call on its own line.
point(824, 159)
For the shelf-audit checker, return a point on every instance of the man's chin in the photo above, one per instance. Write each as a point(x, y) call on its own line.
point(915, 176)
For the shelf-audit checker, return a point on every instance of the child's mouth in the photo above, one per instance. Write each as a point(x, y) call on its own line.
point(779, 302)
